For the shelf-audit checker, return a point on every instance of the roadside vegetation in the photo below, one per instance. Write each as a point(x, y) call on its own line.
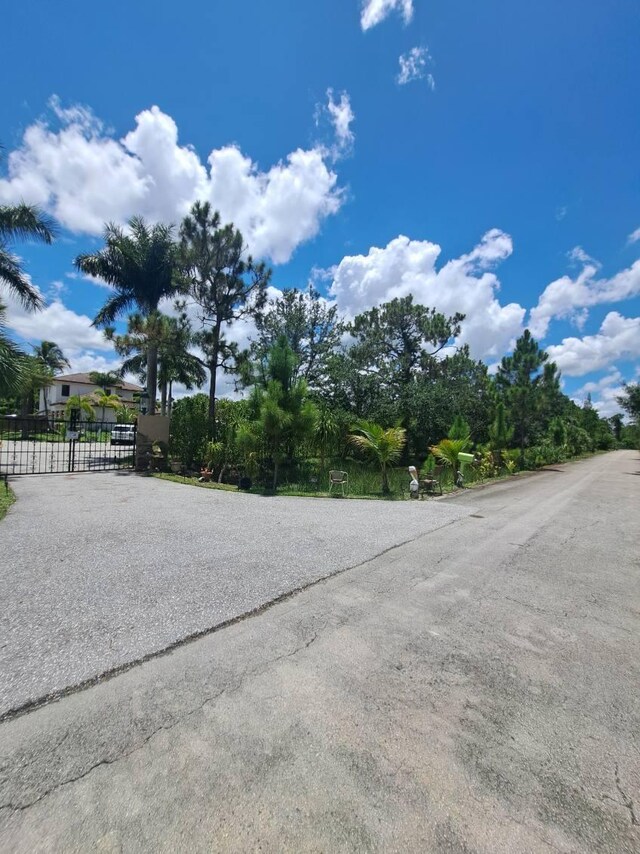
point(6, 500)
point(313, 391)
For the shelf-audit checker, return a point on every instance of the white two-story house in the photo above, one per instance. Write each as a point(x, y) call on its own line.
point(68, 385)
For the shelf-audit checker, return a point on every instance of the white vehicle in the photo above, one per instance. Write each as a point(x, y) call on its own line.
point(123, 434)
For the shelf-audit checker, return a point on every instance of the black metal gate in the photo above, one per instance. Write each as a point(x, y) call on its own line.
point(53, 445)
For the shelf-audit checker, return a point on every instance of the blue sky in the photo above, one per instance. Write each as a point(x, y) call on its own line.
point(498, 174)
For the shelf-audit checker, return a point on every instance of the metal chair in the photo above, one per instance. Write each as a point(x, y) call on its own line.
point(338, 478)
point(432, 481)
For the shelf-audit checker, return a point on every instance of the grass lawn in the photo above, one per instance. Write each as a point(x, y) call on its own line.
point(6, 500)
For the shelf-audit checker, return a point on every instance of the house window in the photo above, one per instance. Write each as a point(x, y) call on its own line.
point(65, 390)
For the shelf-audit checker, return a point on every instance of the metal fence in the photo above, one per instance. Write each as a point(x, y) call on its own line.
point(53, 445)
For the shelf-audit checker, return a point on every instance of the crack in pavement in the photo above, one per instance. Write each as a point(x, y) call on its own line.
point(626, 800)
point(230, 689)
point(55, 696)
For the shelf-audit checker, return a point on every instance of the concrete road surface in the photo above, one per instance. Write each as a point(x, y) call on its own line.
point(474, 689)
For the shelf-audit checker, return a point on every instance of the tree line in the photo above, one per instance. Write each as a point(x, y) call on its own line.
point(316, 386)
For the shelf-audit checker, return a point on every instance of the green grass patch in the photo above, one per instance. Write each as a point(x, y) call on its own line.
point(192, 481)
point(6, 499)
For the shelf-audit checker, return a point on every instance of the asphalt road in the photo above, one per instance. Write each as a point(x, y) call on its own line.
point(471, 690)
point(102, 569)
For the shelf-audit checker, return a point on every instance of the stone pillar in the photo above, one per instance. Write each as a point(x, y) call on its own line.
point(151, 428)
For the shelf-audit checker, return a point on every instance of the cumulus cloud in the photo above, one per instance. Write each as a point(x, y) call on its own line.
point(375, 11)
point(85, 177)
point(413, 66)
point(571, 298)
point(634, 237)
point(463, 284)
point(617, 339)
point(57, 323)
point(604, 393)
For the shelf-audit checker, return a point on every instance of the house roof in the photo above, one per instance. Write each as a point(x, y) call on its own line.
point(85, 379)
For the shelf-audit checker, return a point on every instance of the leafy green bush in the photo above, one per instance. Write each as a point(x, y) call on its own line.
point(190, 430)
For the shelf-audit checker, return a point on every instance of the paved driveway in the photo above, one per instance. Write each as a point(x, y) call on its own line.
point(99, 570)
point(473, 690)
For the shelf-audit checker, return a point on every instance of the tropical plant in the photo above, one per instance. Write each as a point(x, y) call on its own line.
point(53, 360)
point(447, 451)
point(125, 414)
point(105, 380)
point(171, 336)
point(79, 404)
point(141, 266)
point(105, 401)
point(190, 430)
point(225, 284)
point(12, 362)
point(21, 222)
point(327, 430)
point(284, 416)
point(384, 446)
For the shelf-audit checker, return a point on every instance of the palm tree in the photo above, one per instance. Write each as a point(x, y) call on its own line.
point(79, 403)
point(106, 401)
point(171, 337)
point(106, 380)
point(446, 452)
point(383, 446)
point(53, 361)
point(141, 266)
point(21, 222)
point(12, 362)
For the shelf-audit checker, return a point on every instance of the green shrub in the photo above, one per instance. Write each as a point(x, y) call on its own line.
point(190, 430)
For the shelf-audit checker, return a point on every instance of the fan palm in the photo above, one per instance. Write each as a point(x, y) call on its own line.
point(140, 264)
point(380, 444)
point(21, 222)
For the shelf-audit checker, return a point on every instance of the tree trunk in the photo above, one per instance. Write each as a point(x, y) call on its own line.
point(152, 377)
point(163, 398)
point(385, 481)
point(213, 367)
point(275, 475)
point(170, 402)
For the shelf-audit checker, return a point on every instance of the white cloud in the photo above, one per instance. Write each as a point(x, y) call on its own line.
point(569, 298)
point(413, 66)
point(57, 323)
point(604, 394)
point(618, 338)
point(464, 285)
point(375, 11)
point(634, 237)
point(342, 117)
point(85, 177)
point(579, 256)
